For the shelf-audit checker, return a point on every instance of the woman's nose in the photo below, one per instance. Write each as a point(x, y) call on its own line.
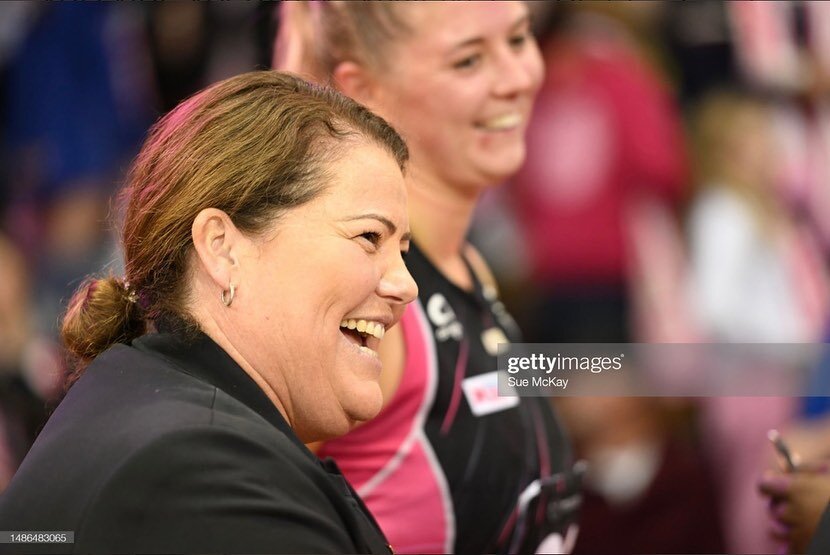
point(518, 73)
point(397, 284)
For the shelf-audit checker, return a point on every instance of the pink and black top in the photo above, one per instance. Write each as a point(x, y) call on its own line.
point(449, 466)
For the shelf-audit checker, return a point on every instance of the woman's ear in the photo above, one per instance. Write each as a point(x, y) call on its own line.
point(354, 80)
point(218, 243)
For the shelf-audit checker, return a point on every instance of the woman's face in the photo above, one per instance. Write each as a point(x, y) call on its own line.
point(331, 263)
point(460, 88)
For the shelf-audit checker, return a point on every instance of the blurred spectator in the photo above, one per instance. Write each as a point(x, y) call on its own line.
point(756, 278)
point(596, 205)
point(605, 134)
point(75, 101)
point(643, 469)
point(22, 412)
point(74, 115)
point(780, 226)
point(193, 44)
point(784, 49)
point(178, 37)
point(698, 34)
point(79, 86)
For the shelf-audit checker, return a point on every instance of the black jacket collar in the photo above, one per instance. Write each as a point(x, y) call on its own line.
point(201, 358)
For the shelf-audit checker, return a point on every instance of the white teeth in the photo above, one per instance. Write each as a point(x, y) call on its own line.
point(506, 121)
point(375, 329)
point(368, 351)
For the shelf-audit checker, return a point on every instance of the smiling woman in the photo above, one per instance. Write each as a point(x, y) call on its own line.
point(458, 80)
point(327, 261)
point(263, 217)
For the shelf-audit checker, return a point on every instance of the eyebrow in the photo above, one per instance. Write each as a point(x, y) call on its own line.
point(385, 221)
point(478, 40)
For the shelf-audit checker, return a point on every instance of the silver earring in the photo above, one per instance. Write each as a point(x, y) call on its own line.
point(229, 299)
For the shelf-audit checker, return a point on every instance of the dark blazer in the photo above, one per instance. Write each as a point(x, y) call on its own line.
point(169, 446)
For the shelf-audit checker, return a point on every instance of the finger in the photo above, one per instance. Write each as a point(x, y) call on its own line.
point(817, 467)
point(783, 513)
point(779, 530)
point(772, 504)
point(784, 465)
point(797, 461)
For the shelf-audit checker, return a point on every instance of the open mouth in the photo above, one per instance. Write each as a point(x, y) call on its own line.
point(365, 334)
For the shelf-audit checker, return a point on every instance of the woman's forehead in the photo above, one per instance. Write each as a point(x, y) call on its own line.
point(448, 24)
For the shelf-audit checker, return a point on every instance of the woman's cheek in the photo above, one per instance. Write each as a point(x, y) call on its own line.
point(362, 276)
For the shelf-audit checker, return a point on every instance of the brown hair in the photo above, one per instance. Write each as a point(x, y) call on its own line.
point(252, 146)
point(313, 37)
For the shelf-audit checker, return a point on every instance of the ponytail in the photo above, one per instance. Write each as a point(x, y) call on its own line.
point(294, 48)
point(101, 313)
point(313, 37)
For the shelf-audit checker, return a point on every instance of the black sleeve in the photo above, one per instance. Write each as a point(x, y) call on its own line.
point(211, 490)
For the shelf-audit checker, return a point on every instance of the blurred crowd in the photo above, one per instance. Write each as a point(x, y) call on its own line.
point(676, 189)
point(79, 87)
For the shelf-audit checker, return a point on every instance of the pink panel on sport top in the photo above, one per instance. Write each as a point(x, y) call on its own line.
point(408, 506)
point(385, 459)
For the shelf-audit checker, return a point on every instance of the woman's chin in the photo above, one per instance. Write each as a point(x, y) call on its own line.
point(501, 167)
point(360, 406)
point(368, 407)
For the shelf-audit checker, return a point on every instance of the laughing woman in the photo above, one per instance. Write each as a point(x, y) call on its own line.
point(443, 468)
point(262, 216)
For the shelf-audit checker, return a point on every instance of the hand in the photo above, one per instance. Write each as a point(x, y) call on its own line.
point(796, 503)
point(810, 440)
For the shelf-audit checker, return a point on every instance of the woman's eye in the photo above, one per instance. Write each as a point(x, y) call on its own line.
point(372, 236)
point(468, 62)
point(517, 41)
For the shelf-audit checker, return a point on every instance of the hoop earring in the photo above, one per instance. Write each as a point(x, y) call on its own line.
point(229, 299)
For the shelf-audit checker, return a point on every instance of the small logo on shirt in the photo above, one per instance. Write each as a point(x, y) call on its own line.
point(491, 338)
point(482, 394)
point(444, 319)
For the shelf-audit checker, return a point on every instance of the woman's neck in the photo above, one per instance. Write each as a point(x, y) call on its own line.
point(440, 217)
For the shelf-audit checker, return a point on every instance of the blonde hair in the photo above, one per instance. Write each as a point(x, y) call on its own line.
point(717, 123)
point(315, 36)
point(253, 146)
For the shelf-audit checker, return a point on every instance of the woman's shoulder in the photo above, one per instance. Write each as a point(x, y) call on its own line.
point(135, 402)
point(131, 406)
point(213, 487)
point(170, 475)
point(133, 393)
point(154, 459)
